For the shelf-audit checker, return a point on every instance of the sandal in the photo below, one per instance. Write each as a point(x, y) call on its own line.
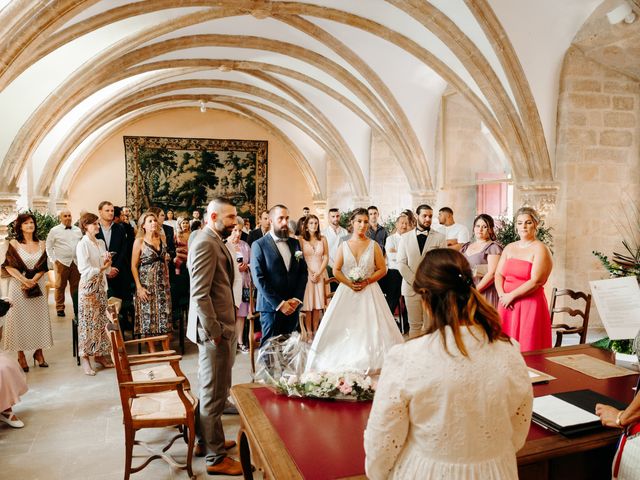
point(10, 419)
point(86, 366)
point(105, 362)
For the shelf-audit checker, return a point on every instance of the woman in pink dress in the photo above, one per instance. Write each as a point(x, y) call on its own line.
point(13, 381)
point(523, 270)
point(316, 253)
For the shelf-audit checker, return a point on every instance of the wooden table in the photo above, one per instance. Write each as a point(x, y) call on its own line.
point(314, 439)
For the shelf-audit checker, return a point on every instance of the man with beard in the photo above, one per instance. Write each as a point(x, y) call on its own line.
point(412, 247)
point(280, 275)
point(212, 327)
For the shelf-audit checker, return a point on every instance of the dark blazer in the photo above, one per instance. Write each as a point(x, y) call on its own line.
point(254, 235)
point(120, 244)
point(270, 275)
point(171, 243)
point(120, 285)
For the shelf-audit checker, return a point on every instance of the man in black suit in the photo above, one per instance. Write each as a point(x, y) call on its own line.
point(261, 230)
point(115, 238)
point(280, 274)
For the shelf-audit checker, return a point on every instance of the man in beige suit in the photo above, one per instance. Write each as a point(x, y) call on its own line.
point(412, 247)
point(212, 327)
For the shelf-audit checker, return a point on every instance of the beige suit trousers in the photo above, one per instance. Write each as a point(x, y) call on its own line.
point(418, 318)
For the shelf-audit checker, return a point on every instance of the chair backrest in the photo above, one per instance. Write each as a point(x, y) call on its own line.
point(119, 353)
point(573, 312)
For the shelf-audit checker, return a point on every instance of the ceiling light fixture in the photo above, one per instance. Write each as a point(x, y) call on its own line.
point(203, 106)
point(622, 12)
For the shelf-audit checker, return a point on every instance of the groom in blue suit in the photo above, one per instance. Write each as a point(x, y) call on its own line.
point(279, 275)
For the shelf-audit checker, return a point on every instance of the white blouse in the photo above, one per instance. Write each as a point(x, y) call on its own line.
point(437, 415)
point(91, 258)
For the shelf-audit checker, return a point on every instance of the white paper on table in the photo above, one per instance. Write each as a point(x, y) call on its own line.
point(618, 302)
point(560, 412)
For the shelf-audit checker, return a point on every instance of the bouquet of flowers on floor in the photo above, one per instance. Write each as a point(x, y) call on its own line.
point(357, 274)
point(281, 363)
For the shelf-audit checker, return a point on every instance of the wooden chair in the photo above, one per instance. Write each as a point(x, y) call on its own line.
point(328, 282)
point(562, 328)
point(155, 402)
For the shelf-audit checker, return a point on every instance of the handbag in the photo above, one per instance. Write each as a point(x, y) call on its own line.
point(246, 294)
point(33, 292)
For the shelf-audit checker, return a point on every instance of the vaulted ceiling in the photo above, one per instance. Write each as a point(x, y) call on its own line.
point(322, 75)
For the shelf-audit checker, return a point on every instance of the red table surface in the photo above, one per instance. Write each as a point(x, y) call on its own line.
point(325, 438)
point(568, 380)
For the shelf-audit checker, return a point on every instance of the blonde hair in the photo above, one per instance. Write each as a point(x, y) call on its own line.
point(143, 219)
point(529, 211)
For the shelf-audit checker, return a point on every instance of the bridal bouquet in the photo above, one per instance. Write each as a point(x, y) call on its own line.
point(339, 386)
point(357, 274)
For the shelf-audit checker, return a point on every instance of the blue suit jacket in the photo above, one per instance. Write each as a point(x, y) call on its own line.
point(270, 275)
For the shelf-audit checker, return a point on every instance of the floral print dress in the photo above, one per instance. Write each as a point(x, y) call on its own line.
point(153, 317)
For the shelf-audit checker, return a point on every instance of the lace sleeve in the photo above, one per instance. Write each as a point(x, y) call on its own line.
point(521, 401)
point(388, 424)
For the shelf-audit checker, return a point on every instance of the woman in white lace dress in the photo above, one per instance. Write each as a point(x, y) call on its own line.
point(357, 329)
point(456, 402)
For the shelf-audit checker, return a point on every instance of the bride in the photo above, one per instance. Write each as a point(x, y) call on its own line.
point(358, 327)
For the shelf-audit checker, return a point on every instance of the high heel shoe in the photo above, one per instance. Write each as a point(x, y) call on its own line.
point(40, 359)
point(86, 366)
point(22, 360)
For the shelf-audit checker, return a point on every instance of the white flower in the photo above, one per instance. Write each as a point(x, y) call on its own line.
point(298, 255)
point(357, 274)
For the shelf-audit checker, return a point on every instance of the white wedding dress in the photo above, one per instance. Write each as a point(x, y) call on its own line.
point(358, 328)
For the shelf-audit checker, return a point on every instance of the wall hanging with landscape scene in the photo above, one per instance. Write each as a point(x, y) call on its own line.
point(183, 174)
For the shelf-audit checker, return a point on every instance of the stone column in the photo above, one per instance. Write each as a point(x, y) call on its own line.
point(41, 204)
point(361, 202)
point(418, 197)
point(8, 211)
point(539, 195)
point(320, 209)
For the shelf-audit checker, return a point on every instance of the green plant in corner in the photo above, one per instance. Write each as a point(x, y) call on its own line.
point(45, 222)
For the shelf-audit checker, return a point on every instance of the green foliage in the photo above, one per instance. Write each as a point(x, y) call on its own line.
point(506, 232)
point(620, 346)
point(44, 221)
point(389, 223)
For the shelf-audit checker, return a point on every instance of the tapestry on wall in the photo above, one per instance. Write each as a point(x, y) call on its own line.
point(183, 174)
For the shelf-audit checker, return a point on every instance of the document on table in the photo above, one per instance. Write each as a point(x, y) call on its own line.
point(594, 367)
point(618, 302)
point(537, 376)
point(562, 413)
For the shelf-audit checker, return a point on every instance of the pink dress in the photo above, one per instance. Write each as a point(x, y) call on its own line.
point(13, 381)
point(528, 322)
point(314, 294)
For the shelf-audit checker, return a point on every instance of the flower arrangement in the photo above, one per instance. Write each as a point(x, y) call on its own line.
point(298, 255)
point(357, 274)
point(343, 386)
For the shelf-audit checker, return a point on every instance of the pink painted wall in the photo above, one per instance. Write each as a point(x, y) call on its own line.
point(102, 177)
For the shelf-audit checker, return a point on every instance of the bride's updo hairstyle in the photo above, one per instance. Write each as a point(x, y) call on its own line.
point(445, 283)
point(356, 212)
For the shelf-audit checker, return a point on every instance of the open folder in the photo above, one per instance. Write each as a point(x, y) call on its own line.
point(571, 413)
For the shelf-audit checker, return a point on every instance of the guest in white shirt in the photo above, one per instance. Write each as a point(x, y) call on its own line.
point(61, 251)
point(455, 233)
point(333, 233)
point(468, 416)
point(394, 278)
